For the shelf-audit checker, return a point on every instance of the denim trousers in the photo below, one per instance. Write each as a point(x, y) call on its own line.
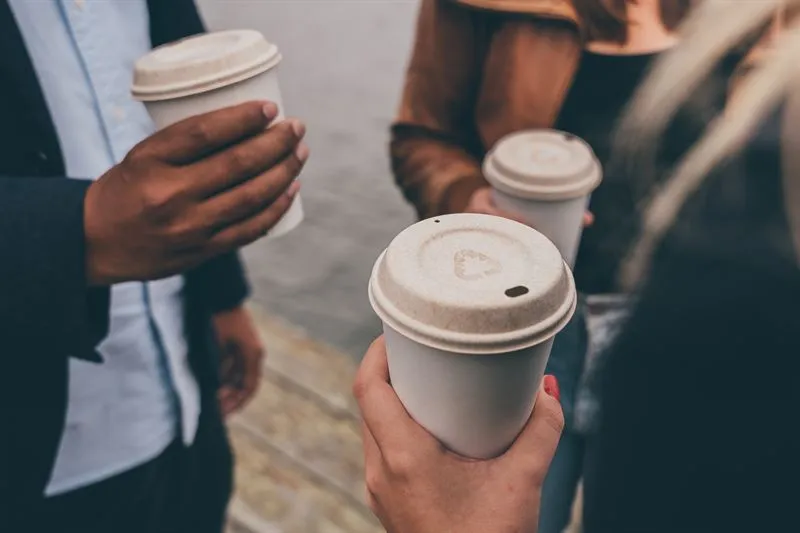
point(576, 361)
point(566, 363)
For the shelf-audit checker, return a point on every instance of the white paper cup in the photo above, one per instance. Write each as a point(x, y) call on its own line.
point(209, 72)
point(546, 177)
point(470, 305)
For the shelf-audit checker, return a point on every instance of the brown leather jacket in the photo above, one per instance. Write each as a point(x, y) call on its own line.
point(480, 69)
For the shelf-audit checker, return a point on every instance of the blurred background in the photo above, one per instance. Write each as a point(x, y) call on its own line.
point(298, 444)
point(342, 70)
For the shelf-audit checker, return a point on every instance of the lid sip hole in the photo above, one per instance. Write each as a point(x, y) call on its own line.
point(437, 220)
point(516, 292)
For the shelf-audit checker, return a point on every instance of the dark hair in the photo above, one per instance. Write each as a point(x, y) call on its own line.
point(606, 19)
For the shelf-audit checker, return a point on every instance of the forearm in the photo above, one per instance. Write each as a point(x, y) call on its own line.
point(436, 151)
point(436, 176)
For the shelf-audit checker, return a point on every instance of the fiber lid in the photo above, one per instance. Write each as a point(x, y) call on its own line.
point(542, 165)
point(202, 63)
point(473, 284)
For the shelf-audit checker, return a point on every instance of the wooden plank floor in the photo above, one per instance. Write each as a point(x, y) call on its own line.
point(299, 464)
point(298, 444)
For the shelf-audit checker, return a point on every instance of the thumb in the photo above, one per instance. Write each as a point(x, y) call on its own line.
point(536, 445)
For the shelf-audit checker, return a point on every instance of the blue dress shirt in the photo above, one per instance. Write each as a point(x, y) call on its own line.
point(126, 411)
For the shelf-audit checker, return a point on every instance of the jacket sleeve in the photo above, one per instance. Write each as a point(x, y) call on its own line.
point(46, 305)
point(172, 20)
point(435, 150)
point(220, 284)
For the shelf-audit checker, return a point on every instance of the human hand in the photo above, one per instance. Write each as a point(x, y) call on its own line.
point(202, 187)
point(482, 202)
point(241, 354)
point(416, 486)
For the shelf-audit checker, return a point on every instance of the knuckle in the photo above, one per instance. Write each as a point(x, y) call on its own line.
point(553, 416)
point(372, 480)
point(187, 233)
point(293, 166)
point(200, 133)
point(156, 199)
point(401, 463)
point(284, 135)
point(251, 203)
point(137, 153)
point(253, 233)
point(240, 160)
point(263, 227)
point(360, 389)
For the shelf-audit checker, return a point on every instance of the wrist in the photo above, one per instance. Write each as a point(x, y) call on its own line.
point(95, 274)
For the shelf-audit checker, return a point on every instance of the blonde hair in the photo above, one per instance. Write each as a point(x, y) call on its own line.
point(712, 30)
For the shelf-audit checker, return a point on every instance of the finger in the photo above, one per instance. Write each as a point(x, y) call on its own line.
point(385, 417)
point(372, 454)
point(246, 231)
point(253, 196)
point(536, 445)
point(372, 503)
point(588, 218)
point(485, 204)
point(227, 369)
point(373, 463)
point(196, 137)
point(227, 399)
point(251, 381)
point(512, 216)
point(245, 160)
point(238, 401)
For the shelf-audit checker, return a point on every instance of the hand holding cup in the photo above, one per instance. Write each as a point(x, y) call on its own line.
point(199, 188)
point(414, 485)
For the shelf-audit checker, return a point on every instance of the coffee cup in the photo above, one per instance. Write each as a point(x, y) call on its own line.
point(546, 177)
point(209, 72)
point(470, 305)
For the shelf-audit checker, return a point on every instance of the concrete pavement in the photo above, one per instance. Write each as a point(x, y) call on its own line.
point(341, 73)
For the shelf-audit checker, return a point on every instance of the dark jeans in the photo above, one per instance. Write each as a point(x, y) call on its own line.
point(183, 490)
point(566, 363)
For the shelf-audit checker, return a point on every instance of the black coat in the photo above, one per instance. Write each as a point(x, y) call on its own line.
point(47, 314)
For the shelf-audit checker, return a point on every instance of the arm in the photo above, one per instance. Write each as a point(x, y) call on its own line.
point(46, 301)
point(435, 150)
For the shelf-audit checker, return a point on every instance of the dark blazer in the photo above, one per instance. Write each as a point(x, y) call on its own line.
point(47, 313)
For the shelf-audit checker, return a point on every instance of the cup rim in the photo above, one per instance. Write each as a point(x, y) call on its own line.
point(513, 184)
point(260, 61)
point(472, 343)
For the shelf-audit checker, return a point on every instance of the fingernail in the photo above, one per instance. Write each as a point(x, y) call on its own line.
point(551, 387)
point(270, 110)
point(301, 152)
point(293, 189)
point(298, 127)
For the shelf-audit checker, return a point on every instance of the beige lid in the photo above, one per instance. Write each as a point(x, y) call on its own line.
point(542, 165)
point(473, 284)
point(202, 63)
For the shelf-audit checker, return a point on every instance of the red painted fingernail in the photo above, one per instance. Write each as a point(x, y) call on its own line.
point(551, 387)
